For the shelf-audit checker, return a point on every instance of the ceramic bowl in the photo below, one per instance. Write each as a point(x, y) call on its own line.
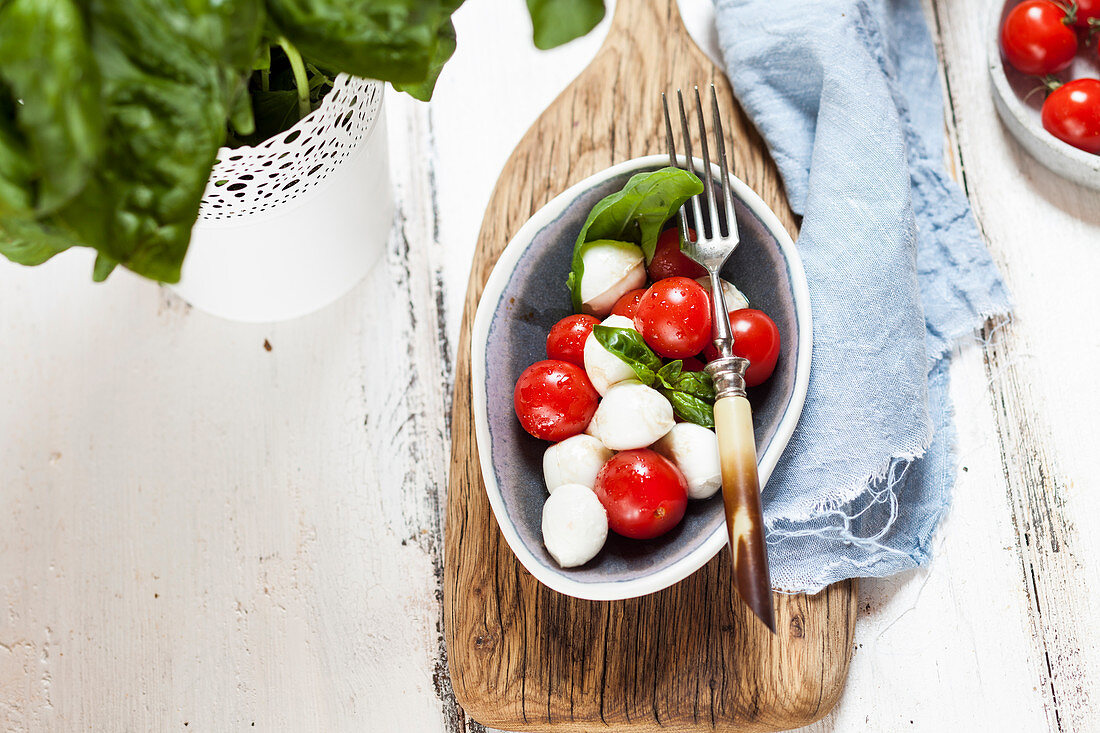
point(525, 295)
point(1021, 112)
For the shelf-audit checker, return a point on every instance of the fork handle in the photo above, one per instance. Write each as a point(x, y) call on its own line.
point(741, 496)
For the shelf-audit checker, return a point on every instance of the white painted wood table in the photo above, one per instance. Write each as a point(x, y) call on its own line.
point(203, 534)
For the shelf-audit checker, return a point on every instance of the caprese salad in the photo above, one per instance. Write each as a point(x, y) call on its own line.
point(622, 395)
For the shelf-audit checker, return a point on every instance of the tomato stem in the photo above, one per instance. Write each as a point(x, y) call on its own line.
point(1070, 9)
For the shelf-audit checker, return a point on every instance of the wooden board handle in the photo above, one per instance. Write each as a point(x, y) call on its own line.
point(744, 513)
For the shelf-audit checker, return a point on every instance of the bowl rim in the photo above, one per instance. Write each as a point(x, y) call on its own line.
point(494, 287)
point(1060, 157)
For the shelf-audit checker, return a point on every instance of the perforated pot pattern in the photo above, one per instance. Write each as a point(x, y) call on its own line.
point(248, 181)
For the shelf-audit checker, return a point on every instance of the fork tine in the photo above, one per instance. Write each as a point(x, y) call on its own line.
point(729, 221)
point(681, 215)
point(709, 194)
point(670, 140)
point(696, 213)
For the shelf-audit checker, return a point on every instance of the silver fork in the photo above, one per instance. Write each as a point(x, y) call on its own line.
point(712, 212)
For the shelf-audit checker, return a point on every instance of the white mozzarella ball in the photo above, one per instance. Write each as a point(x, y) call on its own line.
point(735, 299)
point(575, 460)
point(604, 368)
point(632, 415)
point(694, 450)
point(611, 270)
point(574, 525)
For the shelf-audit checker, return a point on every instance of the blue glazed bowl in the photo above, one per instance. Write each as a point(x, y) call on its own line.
point(526, 294)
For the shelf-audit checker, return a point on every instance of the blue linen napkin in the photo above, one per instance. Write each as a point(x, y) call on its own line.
point(847, 95)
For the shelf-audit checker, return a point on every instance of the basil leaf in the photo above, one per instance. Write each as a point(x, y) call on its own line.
point(670, 372)
point(698, 384)
point(47, 64)
point(635, 214)
point(628, 345)
point(555, 22)
point(401, 41)
point(691, 408)
point(444, 49)
point(161, 78)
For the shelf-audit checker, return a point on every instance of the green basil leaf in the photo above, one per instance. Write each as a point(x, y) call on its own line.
point(165, 79)
point(401, 41)
point(445, 46)
point(691, 408)
point(698, 384)
point(555, 22)
point(628, 345)
point(635, 214)
point(46, 62)
point(670, 372)
point(29, 242)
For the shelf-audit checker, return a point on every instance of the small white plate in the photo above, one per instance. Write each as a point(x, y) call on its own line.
point(1021, 113)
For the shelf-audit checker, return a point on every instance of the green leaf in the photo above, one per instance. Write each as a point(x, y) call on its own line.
point(446, 43)
point(559, 21)
point(698, 384)
point(16, 169)
point(670, 371)
point(46, 62)
point(400, 41)
point(168, 74)
point(28, 242)
point(241, 117)
point(691, 408)
point(691, 393)
point(628, 345)
point(635, 214)
point(104, 266)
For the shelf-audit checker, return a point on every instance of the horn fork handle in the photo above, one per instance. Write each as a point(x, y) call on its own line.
point(741, 488)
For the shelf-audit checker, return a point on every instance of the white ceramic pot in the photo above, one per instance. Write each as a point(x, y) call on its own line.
point(292, 224)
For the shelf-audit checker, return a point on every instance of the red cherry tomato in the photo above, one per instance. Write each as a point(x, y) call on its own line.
point(1072, 114)
point(691, 364)
point(554, 399)
point(670, 261)
point(628, 304)
point(644, 493)
point(566, 338)
point(674, 317)
point(756, 338)
point(1037, 38)
point(1088, 10)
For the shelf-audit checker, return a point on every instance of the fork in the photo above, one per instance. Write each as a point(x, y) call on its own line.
point(715, 224)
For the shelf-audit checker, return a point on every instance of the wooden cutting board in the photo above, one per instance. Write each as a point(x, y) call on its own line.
point(523, 657)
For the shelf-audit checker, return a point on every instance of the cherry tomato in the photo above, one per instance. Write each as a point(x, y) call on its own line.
point(1037, 39)
point(674, 317)
point(644, 493)
point(628, 304)
point(566, 338)
point(554, 399)
point(756, 338)
point(670, 261)
point(691, 364)
point(1072, 114)
point(1088, 10)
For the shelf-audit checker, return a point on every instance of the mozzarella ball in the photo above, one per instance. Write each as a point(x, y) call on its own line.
point(632, 415)
point(604, 368)
point(694, 450)
point(574, 525)
point(735, 299)
point(611, 269)
point(575, 460)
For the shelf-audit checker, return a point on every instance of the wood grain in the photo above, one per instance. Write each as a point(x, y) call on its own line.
point(523, 657)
